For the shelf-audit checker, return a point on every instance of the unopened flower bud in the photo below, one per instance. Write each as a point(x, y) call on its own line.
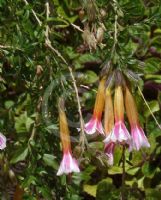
point(100, 34)
point(91, 11)
point(12, 175)
point(81, 14)
point(103, 13)
point(89, 39)
point(39, 70)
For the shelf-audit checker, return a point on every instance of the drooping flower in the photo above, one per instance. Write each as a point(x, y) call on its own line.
point(109, 150)
point(108, 125)
point(2, 141)
point(120, 133)
point(138, 137)
point(94, 123)
point(68, 163)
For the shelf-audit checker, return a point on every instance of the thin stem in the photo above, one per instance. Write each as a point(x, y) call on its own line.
point(37, 118)
point(10, 47)
point(77, 27)
point(34, 13)
point(149, 108)
point(83, 139)
point(123, 173)
point(115, 28)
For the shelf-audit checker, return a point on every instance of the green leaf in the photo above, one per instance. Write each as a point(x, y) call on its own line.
point(90, 189)
point(23, 123)
point(86, 174)
point(45, 192)
point(115, 170)
point(149, 169)
point(29, 122)
point(50, 161)
point(90, 77)
point(117, 154)
point(132, 171)
point(51, 127)
point(20, 155)
point(106, 190)
point(153, 194)
point(152, 65)
point(8, 104)
point(31, 180)
point(20, 123)
point(154, 106)
point(96, 145)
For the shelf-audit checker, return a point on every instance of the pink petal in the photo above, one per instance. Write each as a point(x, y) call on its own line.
point(108, 138)
point(119, 134)
point(2, 141)
point(90, 127)
point(99, 127)
point(109, 150)
point(68, 165)
point(138, 138)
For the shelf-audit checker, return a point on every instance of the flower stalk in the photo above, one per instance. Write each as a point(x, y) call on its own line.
point(123, 172)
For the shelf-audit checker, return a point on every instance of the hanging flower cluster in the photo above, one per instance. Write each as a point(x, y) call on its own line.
point(114, 100)
point(68, 163)
point(115, 130)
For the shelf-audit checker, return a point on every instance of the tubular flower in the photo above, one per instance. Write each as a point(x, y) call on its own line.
point(2, 141)
point(68, 163)
point(120, 133)
point(95, 122)
point(138, 137)
point(108, 125)
point(109, 150)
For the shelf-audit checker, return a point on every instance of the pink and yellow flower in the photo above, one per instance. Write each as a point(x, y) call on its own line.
point(120, 133)
point(108, 125)
point(2, 141)
point(94, 123)
point(138, 137)
point(68, 163)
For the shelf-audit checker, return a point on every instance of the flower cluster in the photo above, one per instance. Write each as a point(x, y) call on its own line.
point(115, 130)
